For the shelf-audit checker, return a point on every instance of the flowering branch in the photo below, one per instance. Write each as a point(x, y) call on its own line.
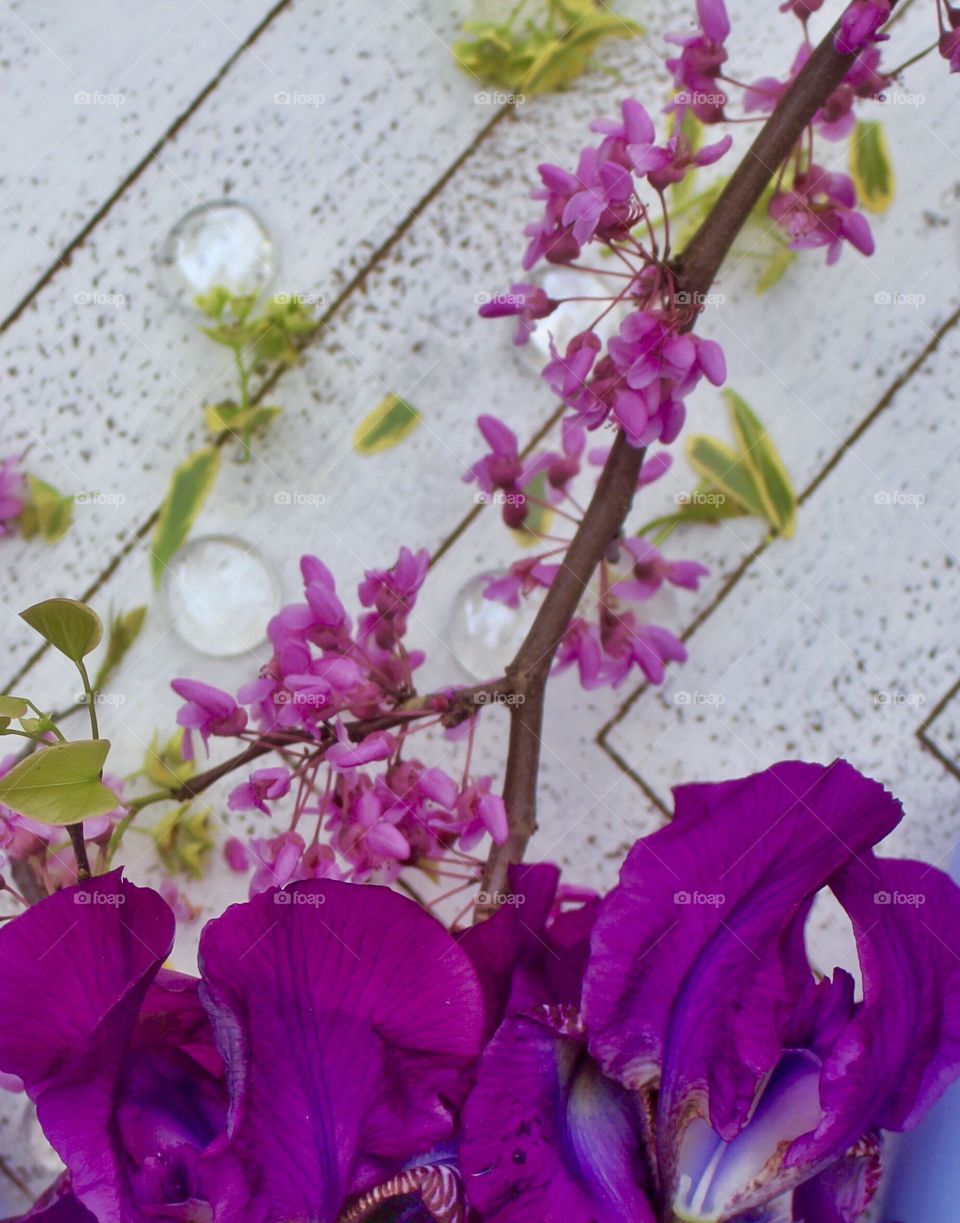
point(694, 271)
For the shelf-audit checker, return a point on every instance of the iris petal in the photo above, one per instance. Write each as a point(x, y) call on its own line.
point(547, 1136)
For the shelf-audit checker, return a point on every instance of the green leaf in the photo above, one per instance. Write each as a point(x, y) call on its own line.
point(870, 166)
point(12, 707)
point(165, 766)
point(776, 266)
point(46, 512)
point(390, 422)
point(727, 471)
point(189, 488)
point(767, 466)
point(71, 627)
point(184, 841)
point(231, 418)
point(123, 632)
point(529, 57)
point(214, 302)
point(567, 57)
point(60, 784)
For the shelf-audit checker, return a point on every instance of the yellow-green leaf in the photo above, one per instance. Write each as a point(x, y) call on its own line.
point(223, 418)
point(767, 466)
point(46, 512)
point(164, 764)
point(60, 784)
point(727, 471)
point(870, 166)
point(190, 486)
point(539, 515)
point(392, 420)
point(565, 58)
point(71, 627)
point(12, 707)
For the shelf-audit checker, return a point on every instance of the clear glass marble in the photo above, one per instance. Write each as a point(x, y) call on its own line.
point(219, 243)
point(482, 634)
point(220, 594)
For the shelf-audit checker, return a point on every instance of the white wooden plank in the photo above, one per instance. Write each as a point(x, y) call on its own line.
point(88, 92)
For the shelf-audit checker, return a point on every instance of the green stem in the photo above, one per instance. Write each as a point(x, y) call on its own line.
point(90, 693)
point(244, 375)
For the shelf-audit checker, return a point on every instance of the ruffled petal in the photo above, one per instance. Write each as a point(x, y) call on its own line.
point(902, 1048)
point(347, 1017)
point(699, 908)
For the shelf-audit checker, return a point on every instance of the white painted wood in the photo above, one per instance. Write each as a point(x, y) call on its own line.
point(87, 92)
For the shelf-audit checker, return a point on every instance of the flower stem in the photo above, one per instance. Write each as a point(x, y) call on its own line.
point(695, 270)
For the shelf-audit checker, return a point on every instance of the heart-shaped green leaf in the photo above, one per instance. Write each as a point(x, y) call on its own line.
point(72, 627)
point(60, 784)
point(190, 486)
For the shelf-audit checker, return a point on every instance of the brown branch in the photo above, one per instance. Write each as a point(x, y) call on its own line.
point(695, 270)
point(459, 706)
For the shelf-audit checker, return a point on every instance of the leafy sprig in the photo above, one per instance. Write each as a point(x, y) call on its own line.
point(527, 56)
point(263, 342)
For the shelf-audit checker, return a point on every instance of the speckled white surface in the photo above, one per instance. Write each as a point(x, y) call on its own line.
point(103, 378)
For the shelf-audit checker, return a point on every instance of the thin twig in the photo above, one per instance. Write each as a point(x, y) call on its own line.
point(694, 270)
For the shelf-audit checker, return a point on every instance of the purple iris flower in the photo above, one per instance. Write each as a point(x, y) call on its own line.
point(667, 1053)
point(756, 1089)
point(323, 1050)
